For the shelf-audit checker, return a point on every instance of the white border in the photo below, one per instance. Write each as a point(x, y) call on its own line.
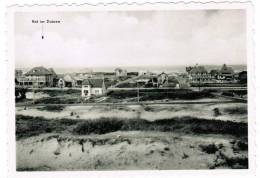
point(114, 6)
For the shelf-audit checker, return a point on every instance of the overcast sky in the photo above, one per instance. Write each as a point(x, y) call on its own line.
point(132, 38)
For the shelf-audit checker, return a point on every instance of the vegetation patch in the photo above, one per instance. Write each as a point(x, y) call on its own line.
point(52, 108)
point(210, 149)
point(236, 110)
point(55, 93)
point(58, 100)
point(159, 94)
point(27, 126)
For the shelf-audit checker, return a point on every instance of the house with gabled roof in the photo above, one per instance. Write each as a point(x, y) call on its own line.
point(226, 73)
point(198, 74)
point(69, 80)
point(93, 87)
point(40, 77)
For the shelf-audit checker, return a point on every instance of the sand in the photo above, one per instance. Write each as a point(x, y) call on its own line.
point(125, 150)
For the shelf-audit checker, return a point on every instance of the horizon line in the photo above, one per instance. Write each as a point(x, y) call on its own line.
point(122, 66)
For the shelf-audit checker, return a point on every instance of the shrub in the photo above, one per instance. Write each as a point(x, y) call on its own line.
point(54, 108)
point(210, 149)
point(216, 112)
point(100, 126)
point(57, 100)
point(236, 110)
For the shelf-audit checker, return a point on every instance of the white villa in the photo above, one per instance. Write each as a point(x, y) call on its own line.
point(92, 87)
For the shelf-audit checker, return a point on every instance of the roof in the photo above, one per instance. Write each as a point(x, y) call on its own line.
point(172, 79)
point(52, 71)
point(119, 69)
point(78, 78)
point(96, 83)
point(37, 71)
point(68, 78)
point(198, 69)
point(227, 70)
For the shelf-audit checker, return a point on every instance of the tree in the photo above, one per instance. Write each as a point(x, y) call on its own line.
point(242, 77)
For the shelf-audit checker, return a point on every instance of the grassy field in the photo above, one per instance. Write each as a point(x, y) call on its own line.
point(73, 96)
point(27, 126)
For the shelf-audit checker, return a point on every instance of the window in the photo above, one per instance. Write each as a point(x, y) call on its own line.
point(85, 92)
point(96, 92)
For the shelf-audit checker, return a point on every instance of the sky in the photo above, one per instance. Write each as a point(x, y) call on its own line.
point(131, 38)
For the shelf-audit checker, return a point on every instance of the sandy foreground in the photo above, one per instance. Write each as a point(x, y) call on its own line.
point(62, 149)
point(128, 150)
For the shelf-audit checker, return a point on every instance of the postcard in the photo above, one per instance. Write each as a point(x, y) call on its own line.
point(105, 89)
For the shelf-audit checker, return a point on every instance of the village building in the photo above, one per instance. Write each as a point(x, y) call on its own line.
point(167, 81)
point(69, 81)
point(214, 73)
point(120, 72)
point(23, 81)
point(37, 77)
point(93, 87)
point(144, 72)
point(226, 73)
point(61, 83)
point(18, 73)
point(162, 78)
point(171, 82)
point(198, 74)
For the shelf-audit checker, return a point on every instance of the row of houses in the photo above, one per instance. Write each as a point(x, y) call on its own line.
point(199, 74)
point(42, 77)
point(151, 80)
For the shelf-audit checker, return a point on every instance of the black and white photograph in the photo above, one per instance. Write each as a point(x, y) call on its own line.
point(151, 89)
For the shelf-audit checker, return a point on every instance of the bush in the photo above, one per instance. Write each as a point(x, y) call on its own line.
point(57, 100)
point(210, 149)
point(100, 126)
point(54, 108)
point(236, 110)
point(62, 92)
point(216, 112)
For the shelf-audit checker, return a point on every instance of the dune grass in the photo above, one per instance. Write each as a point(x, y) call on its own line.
point(27, 126)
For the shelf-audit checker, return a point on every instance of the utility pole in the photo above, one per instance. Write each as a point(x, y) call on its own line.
point(138, 93)
point(42, 32)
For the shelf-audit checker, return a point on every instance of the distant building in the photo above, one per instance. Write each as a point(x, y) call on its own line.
point(70, 81)
point(120, 72)
point(18, 73)
point(37, 77)
point(171, 82)
point(144, 72)
point(226, 73)
point(92, 87)
point(198, 74)
point(162, 79)
point(61, 83)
